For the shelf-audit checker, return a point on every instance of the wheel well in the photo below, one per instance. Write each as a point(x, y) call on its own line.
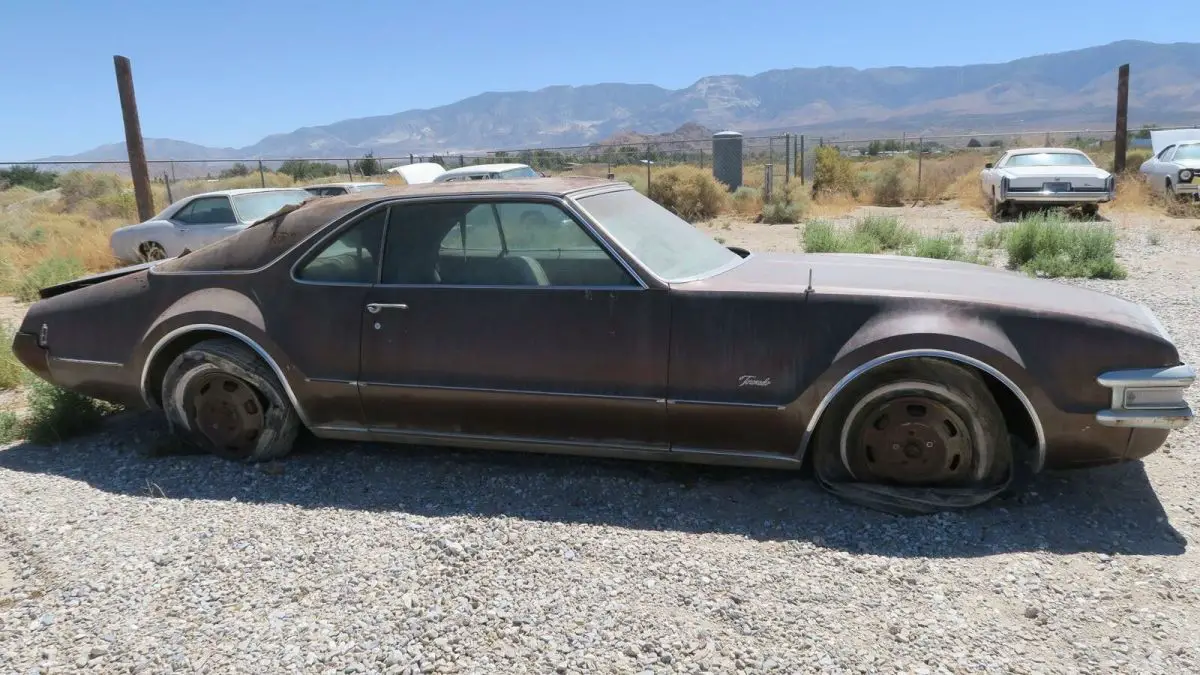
point(163, 358)
point(1018, 419)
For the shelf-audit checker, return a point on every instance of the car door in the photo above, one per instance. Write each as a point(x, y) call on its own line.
point(205, 220)
point(469, 335)
point(1160, 168)
point(322, 309)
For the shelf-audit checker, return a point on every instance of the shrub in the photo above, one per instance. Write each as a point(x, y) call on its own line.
point(834, 173)
point(942, 247)
point(28, 177)
point(122, 205)
point(57, 414)
point(46, 272)
point(891, 183)
point(11, 370)
point(820, 236)
point(1047, 245)
point(300, 169)
point(788, 205)
point(888, 231)
point(79, 187)
point(747, 200)
point(689, 192)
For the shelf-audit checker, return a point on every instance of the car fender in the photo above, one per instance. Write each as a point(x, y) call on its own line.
point(210, 311)
point(963, 338)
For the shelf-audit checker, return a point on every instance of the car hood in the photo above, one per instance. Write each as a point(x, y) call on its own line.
point(1054, 171)
point(903, 276)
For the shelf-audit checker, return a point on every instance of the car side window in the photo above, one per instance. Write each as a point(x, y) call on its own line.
point(352, 257)
point(1166, 151)
point(502, 243)
point(207, 211)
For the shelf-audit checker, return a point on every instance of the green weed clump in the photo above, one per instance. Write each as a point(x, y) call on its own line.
point(788, 205)
point(1050, 246)
point(882, 234)
point(46, 272)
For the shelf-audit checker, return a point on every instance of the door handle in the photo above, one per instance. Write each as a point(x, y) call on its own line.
point(375, 307)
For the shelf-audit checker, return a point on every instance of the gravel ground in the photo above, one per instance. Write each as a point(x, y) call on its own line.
point(357, 558)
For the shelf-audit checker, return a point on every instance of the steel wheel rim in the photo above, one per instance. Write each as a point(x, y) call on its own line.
point(228, 413)
point(912, 433)
point(154, 252)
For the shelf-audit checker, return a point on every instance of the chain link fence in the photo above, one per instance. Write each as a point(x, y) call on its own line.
point(768, 163)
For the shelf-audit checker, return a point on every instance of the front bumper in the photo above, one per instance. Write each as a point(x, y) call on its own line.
point(25, 347)
point(1150, 398)
point(1192, 188)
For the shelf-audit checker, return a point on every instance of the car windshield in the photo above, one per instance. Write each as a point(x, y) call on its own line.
point(522, 172)
point(257, 205)
point(1049, 159)
point(1188, 151)
point(666, 244)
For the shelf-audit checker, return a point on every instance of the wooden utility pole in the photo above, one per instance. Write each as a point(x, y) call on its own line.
point(133, 139)
point(1122, 137)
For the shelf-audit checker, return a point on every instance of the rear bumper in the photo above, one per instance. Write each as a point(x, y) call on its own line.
point(1058, 197)
point(1151, 398)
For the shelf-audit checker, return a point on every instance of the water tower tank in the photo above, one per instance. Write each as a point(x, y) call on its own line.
point(727, 158)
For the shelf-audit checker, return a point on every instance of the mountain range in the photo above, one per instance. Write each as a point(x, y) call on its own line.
point(1062, 90)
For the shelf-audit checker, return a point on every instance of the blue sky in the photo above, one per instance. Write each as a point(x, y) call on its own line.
point(225, 73)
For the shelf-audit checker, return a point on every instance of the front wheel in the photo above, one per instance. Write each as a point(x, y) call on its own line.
point(221, 397)
point(917, 435)
point(151, 251)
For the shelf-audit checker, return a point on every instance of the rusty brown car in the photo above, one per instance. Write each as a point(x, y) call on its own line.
point(575, 315)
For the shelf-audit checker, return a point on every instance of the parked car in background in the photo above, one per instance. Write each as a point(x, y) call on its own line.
point(488, 171)
point(1025, 177)
point(331, 189)
point(431, 172)
point(199, 220)
point(576, 315)
point(1174, 169)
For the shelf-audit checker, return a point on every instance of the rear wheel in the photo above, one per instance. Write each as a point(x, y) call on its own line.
point(221, 397)
point(1090, 210)
point(917, 435)
point(152, 250)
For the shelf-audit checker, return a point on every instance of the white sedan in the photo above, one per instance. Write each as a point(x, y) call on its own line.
point(1045, 177)
point(199, 220)
point(1174, 169)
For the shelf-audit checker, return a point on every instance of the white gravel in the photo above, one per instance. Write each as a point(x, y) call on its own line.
point(355, 558)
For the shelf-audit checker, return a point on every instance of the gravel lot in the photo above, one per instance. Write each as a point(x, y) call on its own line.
point(357, 558)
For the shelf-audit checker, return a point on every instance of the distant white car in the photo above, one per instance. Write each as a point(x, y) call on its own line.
point(199, 220)
point(1174, 170)
point(1045, 177)
point(431, 172)
point(331, 189)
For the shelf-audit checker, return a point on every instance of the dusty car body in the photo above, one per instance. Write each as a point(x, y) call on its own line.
point(574, 315)
point(198, 220)
point(1024, 177)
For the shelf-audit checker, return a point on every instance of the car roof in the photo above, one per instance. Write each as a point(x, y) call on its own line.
point(242, 191)
point(484, 168)
point(1034, 151)
point(347, 184)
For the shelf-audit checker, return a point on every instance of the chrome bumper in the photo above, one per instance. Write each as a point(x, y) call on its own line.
point(1188, 188)
point(1059, 197)
point(1148, 398)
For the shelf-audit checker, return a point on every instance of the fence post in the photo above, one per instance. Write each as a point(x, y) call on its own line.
point(701, 158)
point(262, 176)
point(167, 180)
point(139, 169)
point(349, 171)
point(787, 158)
point(802, 159)
point(647, 168)
point(920, 160)
point(768, 179)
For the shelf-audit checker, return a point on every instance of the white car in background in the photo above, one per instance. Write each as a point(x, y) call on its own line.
point(199, 220)
point(1174, 169)
point(1045, 177)
point(432, 172)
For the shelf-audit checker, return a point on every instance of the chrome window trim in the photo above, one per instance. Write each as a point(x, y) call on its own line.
point(193, 327)
point(857, 372)
point(496, 198)
point(1121, 414)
